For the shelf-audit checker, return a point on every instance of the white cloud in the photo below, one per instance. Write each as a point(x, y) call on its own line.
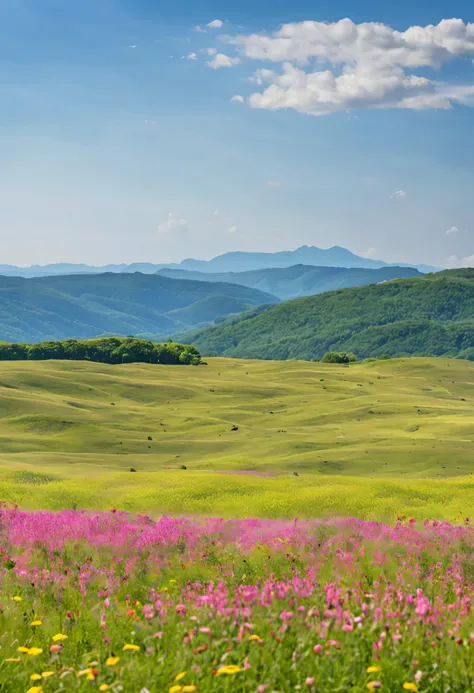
point(172, 224)
point(192, 56)
point(233, 229)
point(217, 212)
point(221, 60)
point(273, 183)
point(216, 24)
point(371, 253)
point(454, 261)
point(209, 51)
point(199, 29)
point(237, 99)
point(368, 65)
point(453, 229)
point(398, 194)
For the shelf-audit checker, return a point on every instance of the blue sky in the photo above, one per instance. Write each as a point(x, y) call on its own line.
point(116, 145)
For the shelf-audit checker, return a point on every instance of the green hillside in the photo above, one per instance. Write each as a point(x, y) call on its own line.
point(360, 437)
point(207, 310)
point(428, 316)
point(298, 280)
point(85, 306)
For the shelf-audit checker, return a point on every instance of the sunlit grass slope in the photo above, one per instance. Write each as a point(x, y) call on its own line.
point(370, 439)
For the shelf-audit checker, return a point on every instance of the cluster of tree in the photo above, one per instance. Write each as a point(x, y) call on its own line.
point(428, 316)
point(338, 357)
point(104, 350)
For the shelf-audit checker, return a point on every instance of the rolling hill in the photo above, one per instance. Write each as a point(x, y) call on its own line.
point(298, 280)
point(84, 306)
point(432, 315)
point(372, 439)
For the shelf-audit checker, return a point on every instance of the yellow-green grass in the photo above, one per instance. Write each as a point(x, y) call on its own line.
point(371, 439)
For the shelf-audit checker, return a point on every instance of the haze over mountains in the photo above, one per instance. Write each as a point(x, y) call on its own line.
point(229, 262)
point(83, 306)
point(298, 280)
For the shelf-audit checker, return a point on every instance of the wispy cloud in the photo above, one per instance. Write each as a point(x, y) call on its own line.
point(173, 223)
point(274, 183)
point(398, 194)
point(215, 24)
point(237, 99)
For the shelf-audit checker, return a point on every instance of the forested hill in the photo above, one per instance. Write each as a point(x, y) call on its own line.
point(85, 306)
point(432, 315)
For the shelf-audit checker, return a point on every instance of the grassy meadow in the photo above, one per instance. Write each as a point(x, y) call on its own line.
point(372, 440)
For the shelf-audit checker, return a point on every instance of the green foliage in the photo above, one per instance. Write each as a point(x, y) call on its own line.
point(336, 357)
point(428, 316)
point(105, 350)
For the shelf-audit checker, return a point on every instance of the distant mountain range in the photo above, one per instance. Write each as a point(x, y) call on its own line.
point(431, 316)
point(84, 306)
point(229, 262)
point(299, 280)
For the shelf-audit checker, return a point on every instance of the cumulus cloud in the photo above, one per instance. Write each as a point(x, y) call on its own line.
point(237, 99)
point(172, 224)
point(220, 60)
point(192, 56)
point(398, 194)
point(453, 229)
point(454, 261)
point(215, 24)
point(339, 66)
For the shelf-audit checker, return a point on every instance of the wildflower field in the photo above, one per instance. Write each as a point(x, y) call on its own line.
point(112, 602)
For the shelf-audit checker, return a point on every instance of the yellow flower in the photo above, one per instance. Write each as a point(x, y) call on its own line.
point(175, 689)
point(35, 689)
point(47, 674)
point(188, 689)
point(254, 637)
point(373, 669)
point(83, 672)
point(230, 670)
point(17, 599)
point(173, 582)
point(36, 623)
point(35, 677)
point(410, 687)
point(33, 651)
point(104, 687)
point(60, 636)
point(180, 676)
point(112, 661)
point(132, 648)
point(23, 649)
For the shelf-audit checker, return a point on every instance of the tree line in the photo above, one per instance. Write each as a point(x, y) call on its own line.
point(113, 350)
